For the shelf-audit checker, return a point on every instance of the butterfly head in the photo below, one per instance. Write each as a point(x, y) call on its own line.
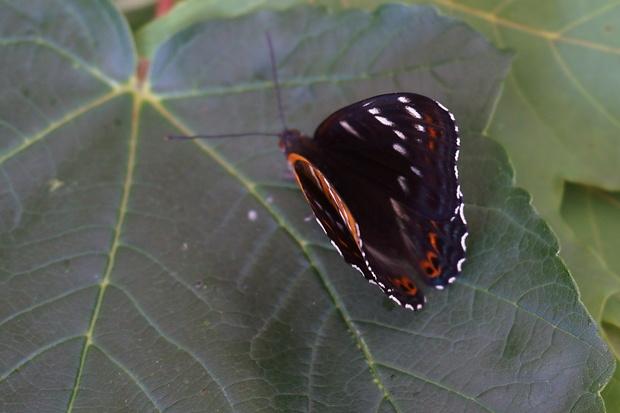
point(290, 140)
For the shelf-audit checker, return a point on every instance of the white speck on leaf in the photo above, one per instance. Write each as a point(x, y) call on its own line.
point(55, 184)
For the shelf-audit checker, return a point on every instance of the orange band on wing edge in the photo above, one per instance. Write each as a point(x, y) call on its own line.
point(329, 191)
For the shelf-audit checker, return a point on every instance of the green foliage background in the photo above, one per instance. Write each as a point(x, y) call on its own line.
point(132, 278)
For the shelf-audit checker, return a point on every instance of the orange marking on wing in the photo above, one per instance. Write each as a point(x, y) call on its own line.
point(321, 182)
point(432, 237)
point(405, 283)
point(293, 157)
point(431, 130)
point(431, 265)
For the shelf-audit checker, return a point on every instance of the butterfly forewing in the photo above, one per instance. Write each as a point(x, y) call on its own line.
point(338, 222)
point(387, 176)
point(406, 143)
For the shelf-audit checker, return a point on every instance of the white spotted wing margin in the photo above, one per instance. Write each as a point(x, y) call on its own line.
point(381, 177)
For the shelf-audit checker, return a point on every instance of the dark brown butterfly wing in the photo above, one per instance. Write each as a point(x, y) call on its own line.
point(334, 216)
point(406, 143)
point(391, 160)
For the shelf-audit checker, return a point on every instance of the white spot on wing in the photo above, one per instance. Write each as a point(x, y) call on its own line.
point(400, 149)
point(321, 225)
point(399, 134)
point(402, 181)
point(463, 239)
point(349, 129)
point(439, 287)
point(337, 248)
point(443, 107)
point(420, 128)
point(374, 111)
point(416, 171)
point(396, 300)
point(403, 99)
point(451, 280)
point(399, 211)
point(385, 121)
point(462, 215)
point(459, 265)
point(413, 112)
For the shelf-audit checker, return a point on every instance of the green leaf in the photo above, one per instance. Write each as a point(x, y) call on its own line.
point(143, 275)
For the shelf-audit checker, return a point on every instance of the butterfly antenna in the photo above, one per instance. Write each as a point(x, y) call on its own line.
point(227, 135)
point(275, 79)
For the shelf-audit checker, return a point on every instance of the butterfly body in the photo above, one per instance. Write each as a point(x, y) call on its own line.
point(382, 180)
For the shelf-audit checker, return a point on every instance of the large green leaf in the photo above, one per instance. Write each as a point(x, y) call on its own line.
point(143, 275)
point(559, 121)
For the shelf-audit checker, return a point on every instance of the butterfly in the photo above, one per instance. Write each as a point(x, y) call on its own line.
point(382, 180)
